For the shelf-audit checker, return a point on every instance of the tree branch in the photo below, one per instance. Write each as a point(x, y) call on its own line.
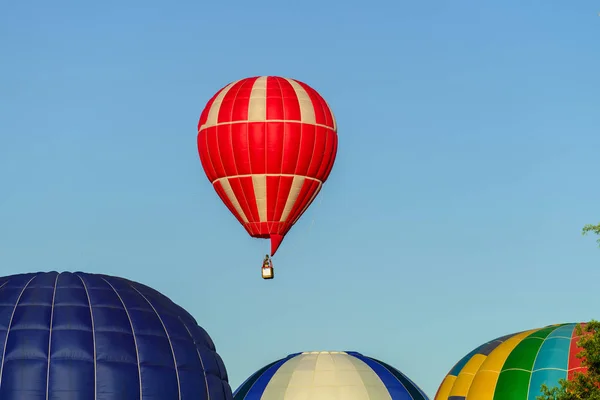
point(592, 228)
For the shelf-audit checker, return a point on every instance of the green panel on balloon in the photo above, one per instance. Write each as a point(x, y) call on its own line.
point(523, 356)
point(543, 333)
point(512, 384)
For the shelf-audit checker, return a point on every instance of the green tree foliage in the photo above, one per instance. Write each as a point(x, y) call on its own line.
point(584, 386)
point(592, 228)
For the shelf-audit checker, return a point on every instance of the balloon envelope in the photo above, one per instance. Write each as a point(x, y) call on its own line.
point(267, 144)
point(514, 367)
point(77, 336)
point(329, 375)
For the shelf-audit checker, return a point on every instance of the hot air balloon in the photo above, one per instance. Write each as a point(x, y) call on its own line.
point(267, 144)
point(514, 367)
point(77, 336)
point(331, 375)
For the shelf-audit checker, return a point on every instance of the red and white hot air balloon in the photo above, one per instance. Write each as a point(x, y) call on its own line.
point(267, 144)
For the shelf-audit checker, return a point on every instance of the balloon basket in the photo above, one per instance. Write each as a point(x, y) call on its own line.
point(268, 273)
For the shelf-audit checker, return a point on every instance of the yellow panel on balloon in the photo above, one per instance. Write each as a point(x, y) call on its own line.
point(496, 359)
point(444, 390)
point(465, 377)
point(483, 386)
point(484, 382)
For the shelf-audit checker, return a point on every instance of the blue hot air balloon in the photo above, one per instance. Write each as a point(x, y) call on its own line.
point(79, 336)
point(331, 375)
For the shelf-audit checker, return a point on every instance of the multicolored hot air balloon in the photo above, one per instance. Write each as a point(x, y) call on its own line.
point(267, 144)
point(331, 375)
point(514, 367)
point(87, 336)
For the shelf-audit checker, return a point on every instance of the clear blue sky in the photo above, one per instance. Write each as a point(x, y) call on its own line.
point(467, 165)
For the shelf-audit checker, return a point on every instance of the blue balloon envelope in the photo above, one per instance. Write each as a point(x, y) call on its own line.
point(80, 336)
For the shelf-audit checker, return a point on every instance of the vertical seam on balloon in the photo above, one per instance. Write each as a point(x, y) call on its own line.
point(425, 397)
point(298, 208)
point(247, 123)
point(137, 352)
point(474, 352)
point(87, 293)
point(224, 90)
point(206, 127)
point(309, 202)
point(399, 381)
point(314, 369)
point(533, 365)
point(573, 333)
point(230, 128)
point(249, 224)
point(254, 377)
point(414, 385)
point(296, 171)
point(535, 359)
point(321, 102)
point(315, 127)
point(286, 222)
point(465, 359)
point(411, 381)
point(328, 108)
point(500, 370)
point(281, 163)
point(249, 218)
point(574, 338)
point(335, 362)
point(287, 387)
point(199, 355)
point(9, 326)
point(217, 110)
point(50, 337)
point(385, 368)
point(301, 141)
point(247, 380)
point(210, 158)
point(256, 380)
point(219, 150)
point(269, 79)
point(323, 157)
point(333, 155)
point(249, 153)
point(284, 115)
point(374, 373)
point(212, 164)
point(275, 364)
point(312, 153)
point(551, 368)
point(207, 109)
point(237, 172)
point(168, 338)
